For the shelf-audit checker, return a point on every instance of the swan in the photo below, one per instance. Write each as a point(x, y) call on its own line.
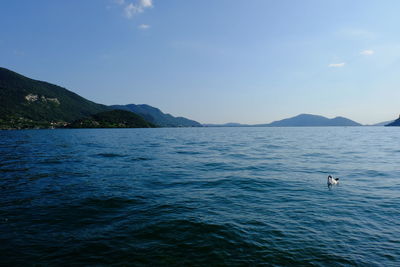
point(332, 181)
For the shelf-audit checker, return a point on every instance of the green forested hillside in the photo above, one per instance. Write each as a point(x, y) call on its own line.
point(112, 119)
point(28, 103)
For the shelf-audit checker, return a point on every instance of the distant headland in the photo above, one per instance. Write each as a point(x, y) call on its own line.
point(395, 122)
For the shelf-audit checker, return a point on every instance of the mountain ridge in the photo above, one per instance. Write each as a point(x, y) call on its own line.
point(30, 103)
point(27, 103)
point(301, 120)
point(310, 120)
point(156, 116)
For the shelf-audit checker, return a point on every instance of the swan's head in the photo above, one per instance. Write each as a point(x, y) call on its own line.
point(329, 176)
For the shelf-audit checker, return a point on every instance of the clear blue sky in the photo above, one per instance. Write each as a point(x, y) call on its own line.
point(214, 61)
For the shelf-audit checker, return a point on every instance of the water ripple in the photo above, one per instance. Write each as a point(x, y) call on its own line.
point(212, 196)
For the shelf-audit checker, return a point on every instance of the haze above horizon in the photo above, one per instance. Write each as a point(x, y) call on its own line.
point(221, 61)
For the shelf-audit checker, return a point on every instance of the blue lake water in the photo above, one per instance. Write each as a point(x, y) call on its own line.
point(200, 196)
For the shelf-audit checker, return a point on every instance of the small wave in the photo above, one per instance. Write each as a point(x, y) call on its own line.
point(368, 173)
point(140, 159)
point(110, 202)
point(272, 146)
point(154, 145)
point(216, 166)
point(314, 155)
point(17, 170)
point(239, 155)
point(52, 161)
point(110, 155)
point(374, 173)
point(185, 152)
point(193, 143)
point(92, 145)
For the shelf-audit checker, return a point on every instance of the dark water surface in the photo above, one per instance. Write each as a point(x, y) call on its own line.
point(200, 196)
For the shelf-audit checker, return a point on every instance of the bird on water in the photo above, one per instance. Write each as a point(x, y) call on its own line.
point(332, 181)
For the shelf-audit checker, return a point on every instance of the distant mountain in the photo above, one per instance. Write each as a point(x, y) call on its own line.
point(112, 119)
point(229, 124)
point(156, 116)
point(304, 120)
point(394, 123)
point(28, 103)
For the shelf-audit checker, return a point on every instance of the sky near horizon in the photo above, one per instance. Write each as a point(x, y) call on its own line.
point(217, 61)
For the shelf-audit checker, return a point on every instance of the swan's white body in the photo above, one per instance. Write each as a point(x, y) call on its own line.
point(332, 181)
